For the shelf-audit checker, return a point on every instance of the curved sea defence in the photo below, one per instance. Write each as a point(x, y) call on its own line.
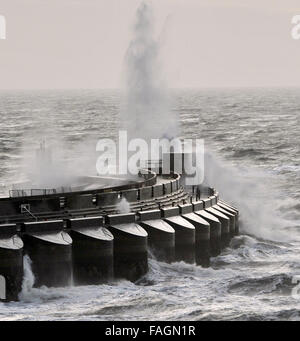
point(80, 238)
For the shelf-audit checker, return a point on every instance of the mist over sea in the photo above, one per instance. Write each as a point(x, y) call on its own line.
point(252, 139)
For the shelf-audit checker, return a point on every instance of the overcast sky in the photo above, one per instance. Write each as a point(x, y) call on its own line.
point(206, 43)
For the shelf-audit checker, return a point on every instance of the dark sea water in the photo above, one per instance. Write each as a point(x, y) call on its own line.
point(253, 159)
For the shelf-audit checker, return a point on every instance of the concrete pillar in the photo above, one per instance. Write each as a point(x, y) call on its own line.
point(202, 234)
point(184, 234)
point(214, 200)
point(11, 263)
point(231, 218)
point(2, 288)
point(161, 236)
point(232, 211)
point(50, 252)
point(225, 225)
point(207, 202)
point(215, 229)
point(92, 251)
point(130, 246)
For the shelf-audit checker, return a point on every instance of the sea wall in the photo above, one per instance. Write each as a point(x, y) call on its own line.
point(95, 249)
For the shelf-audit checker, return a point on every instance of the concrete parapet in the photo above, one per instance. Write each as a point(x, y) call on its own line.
point(44, 205)
point(185, 209)
point(167, 212)
point(85, 222)
point(130, 195)
point(149, 215)
point(43, 226)
point(167, 188)
point(8, 229)
point(198, 205)
point(213, 200)
point(158, 191)
point(80, 201)
point(207, 203)
point(107, 199)
point(145, 193)
point(9, 207)
point(116, 219)
point(173, 186)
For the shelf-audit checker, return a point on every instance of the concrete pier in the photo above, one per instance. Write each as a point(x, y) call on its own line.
point(130, 246)
point(232, 211)
point(92, 251)
point(11, 263)
point(215, 228)
point(50, 252)
point(161, 236)
point(202, 235)
point(184, 234)
point(225, 225)
point(90, 243)
point(231, 218)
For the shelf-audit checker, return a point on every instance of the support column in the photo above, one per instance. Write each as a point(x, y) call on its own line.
point(50, 250)
point(92, 251)
point(130, 246)
point(11, 263)
point(161, 236)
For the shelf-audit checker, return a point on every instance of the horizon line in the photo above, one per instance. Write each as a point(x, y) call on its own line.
point(171, 88)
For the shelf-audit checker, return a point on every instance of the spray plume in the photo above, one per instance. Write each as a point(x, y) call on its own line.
point(249, 191)
point(146, 113)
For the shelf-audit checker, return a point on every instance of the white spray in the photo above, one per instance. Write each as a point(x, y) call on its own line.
point(146, 113)
point(249, 191)
point(123, 206)
point(28, 279)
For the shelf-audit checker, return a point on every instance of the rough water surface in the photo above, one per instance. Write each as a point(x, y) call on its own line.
point(254, 160)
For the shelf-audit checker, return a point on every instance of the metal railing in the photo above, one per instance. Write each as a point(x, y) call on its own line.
point(17, 193)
